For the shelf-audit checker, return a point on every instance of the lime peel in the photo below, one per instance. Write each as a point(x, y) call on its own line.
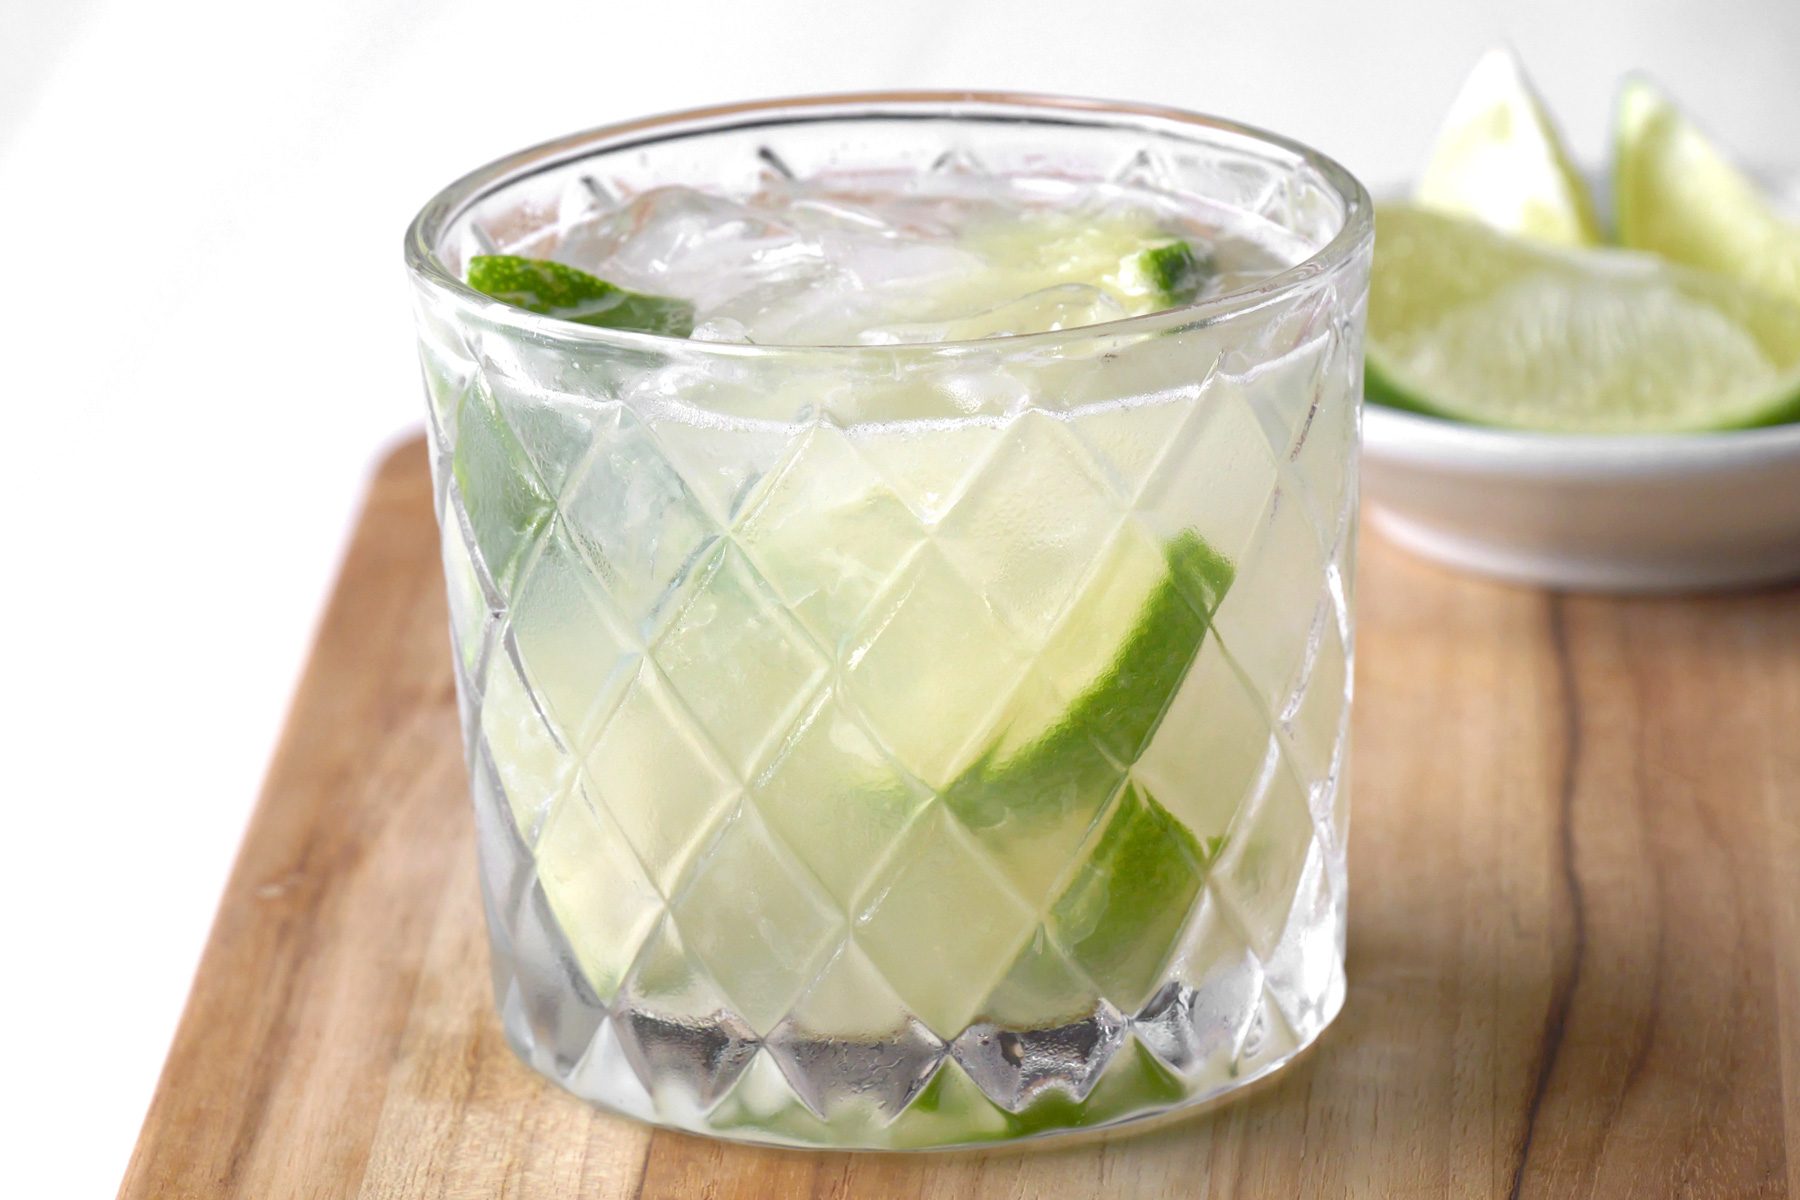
point(1173, 272)
point(557, 290)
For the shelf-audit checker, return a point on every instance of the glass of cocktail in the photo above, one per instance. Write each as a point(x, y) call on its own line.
point(899, 557)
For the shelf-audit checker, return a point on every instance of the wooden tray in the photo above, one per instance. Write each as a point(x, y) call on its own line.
point(1574, 935)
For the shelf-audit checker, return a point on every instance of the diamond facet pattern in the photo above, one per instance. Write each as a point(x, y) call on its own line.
point(740, 869)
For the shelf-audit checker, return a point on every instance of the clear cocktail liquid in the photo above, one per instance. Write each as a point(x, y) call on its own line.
point(908, 746)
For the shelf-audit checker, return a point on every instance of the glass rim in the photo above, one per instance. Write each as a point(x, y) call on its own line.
point(428, 267)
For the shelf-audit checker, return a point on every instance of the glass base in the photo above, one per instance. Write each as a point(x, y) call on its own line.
point(905, 1092)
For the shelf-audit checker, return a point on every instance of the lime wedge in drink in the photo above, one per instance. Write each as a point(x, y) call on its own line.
point(1471, 324)
point(507, 505)
point(1171, 273)
point(568, 294)
point(1678, 195)
point(1499, 160)
point(1118, 655)
point(1138, 263)
point(1047, 273)
point(1122, 910)
point(1140, 636)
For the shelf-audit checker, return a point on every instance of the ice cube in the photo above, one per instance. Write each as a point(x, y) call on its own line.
point(689, 243)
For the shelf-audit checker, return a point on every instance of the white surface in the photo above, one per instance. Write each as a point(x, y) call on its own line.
point(206, 343)
point(1676, 512)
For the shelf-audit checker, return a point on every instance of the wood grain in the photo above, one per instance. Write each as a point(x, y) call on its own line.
point(1574, 936)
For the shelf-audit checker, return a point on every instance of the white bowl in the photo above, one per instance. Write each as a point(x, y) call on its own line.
point(1640, 513)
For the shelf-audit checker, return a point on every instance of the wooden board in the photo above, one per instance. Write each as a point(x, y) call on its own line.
point(1574, 935)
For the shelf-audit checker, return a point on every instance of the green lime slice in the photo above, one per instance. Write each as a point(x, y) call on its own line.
point(1156, 630)
point(1471, 324)
point(1128, 255)
point(1120, 914)
point(1499, 160)
point(1171, 272)
point(561, 291)
point(1678, 195)
point(1126, 905)
point(505, 503)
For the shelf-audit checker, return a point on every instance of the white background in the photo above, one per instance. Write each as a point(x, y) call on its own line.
point(206, 345)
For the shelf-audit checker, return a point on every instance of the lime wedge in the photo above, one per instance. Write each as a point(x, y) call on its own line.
point(1679, 196)
point(1134, 260)
point(505, 502)
point(1120, 913)
point(1499, 160)
point(1474, 325)
point(1125, 906)
point(1151, 644)
point(561, 291)
point(1171, 272)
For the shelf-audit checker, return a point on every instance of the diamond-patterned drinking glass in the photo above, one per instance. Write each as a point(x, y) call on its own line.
point(915, 745)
